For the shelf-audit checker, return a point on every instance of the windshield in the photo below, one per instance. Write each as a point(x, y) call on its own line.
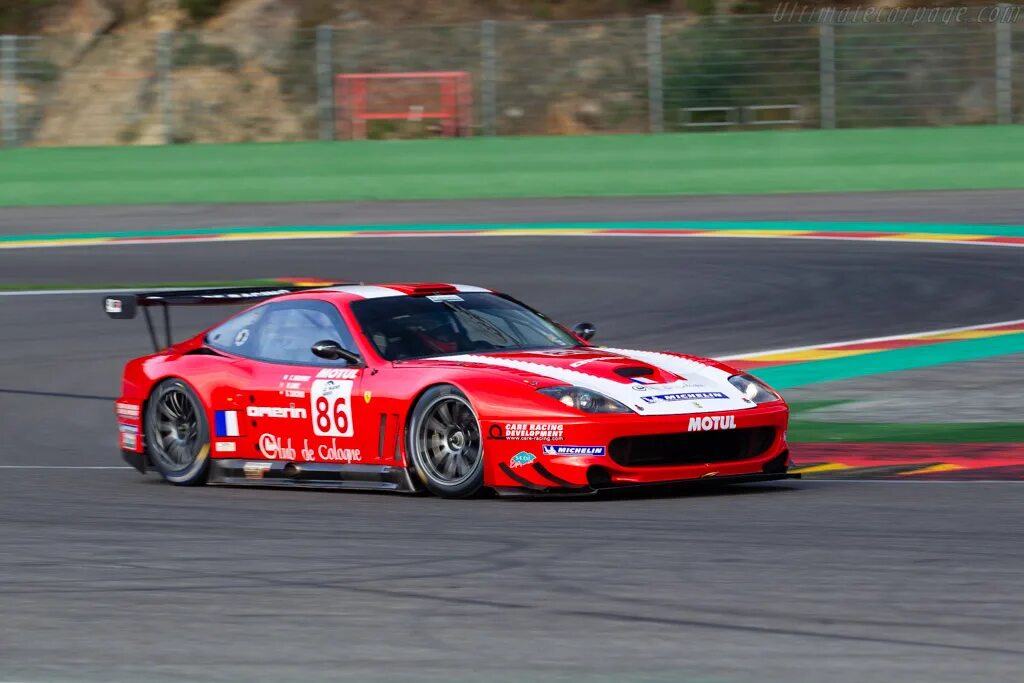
point(403, 327)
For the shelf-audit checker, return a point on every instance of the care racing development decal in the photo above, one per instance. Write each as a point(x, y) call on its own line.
point(710, 423)
point(556, 449)
point(527, 431)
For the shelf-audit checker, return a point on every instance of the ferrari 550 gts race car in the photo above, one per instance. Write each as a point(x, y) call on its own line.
point(447, 388)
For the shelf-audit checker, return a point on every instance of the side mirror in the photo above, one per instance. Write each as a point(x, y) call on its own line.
point(584, 330)
point(329, 349)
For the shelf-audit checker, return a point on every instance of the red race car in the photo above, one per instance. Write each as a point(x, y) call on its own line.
point(447, 388)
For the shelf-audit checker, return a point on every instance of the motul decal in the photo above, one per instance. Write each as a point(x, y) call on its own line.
point(710, 423)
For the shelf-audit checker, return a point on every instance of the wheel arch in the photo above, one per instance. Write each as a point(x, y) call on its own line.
point(144, 424)
point(406, 433)
point(419, 478)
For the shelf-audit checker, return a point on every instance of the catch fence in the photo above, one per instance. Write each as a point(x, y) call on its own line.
point(647, 74)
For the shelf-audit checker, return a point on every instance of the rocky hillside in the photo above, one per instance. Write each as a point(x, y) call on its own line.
point(242, 70)
point(39, 16)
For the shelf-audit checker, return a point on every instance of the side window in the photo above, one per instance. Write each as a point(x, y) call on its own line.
point(284, 332)
point(236, 335)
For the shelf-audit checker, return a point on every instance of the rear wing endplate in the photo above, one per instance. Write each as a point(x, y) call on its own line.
point(125, 306)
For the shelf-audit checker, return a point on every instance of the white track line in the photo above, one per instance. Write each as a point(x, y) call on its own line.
point(64, 467)
point(872, 340)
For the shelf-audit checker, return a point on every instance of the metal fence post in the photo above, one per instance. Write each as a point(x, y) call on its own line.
point(1004, 61)
point(827, 73)
point(9, 98)
point(655, 76)
point(164, 54)
point(488, 76)
point(325, 80)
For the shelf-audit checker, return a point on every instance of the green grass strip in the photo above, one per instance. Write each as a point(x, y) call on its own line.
point(965, 157)
point(808, 431)
point(894, 360)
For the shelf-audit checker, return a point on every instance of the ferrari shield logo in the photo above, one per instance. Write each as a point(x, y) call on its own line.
point(367, 396)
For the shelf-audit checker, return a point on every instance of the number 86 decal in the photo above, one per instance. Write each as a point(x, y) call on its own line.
point(332, 407)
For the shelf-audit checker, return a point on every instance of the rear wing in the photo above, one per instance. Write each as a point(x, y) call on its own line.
point(126, 306)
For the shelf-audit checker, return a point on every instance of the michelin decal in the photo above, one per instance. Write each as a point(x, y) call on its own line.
point(557, 450)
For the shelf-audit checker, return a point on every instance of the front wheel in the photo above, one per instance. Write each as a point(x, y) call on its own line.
point(177, 433)
point(445, 445)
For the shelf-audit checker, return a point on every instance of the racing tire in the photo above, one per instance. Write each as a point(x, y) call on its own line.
point(445, 445)
point(178, 433)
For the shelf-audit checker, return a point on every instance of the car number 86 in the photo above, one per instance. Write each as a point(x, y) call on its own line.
point(332, 407)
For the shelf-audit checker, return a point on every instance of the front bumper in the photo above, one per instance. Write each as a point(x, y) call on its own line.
point(535, 459)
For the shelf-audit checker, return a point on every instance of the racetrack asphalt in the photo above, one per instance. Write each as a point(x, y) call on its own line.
point(1000, 207)
point(109, 576)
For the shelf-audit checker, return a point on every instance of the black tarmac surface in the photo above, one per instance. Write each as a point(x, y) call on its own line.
point(108, 576)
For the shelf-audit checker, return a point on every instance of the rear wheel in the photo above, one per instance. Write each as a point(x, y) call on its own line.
point(445, 445)
point(177, 433)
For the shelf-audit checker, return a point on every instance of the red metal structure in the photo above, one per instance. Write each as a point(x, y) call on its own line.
point(445, 96)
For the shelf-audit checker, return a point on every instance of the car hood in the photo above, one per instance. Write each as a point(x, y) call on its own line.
point(648, 382)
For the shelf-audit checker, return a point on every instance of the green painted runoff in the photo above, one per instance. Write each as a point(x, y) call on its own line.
point(965, 157)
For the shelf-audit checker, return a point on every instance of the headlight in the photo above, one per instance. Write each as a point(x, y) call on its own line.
point(753, 388)
point(585, 400)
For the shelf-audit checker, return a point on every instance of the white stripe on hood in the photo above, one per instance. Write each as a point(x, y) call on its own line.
point(672, 398)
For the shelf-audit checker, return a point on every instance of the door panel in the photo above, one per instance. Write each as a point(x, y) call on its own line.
point(296, 406)
point(308, 414)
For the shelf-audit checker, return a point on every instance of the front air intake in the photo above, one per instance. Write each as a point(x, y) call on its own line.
point(691, 448)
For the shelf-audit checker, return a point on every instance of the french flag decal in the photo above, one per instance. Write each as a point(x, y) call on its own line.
point(226, 422)
point(642, 380)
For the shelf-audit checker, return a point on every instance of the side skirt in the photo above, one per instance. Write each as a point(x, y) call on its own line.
point(236, 472)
